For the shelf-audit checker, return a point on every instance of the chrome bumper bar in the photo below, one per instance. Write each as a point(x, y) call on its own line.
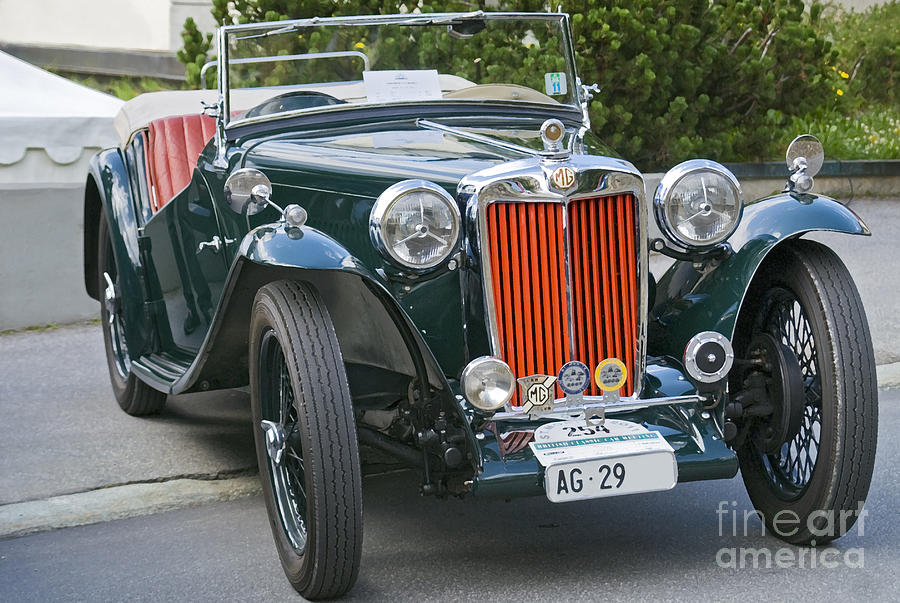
point(595, 403)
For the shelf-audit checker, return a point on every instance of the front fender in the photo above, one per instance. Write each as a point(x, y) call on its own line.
point(689, 301)
point(372, 328)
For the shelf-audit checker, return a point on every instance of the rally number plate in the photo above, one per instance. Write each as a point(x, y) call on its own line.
point(583, 461)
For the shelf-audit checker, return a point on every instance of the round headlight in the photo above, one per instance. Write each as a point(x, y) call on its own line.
point(488, 383)
point(415, 223)
point(698, 203)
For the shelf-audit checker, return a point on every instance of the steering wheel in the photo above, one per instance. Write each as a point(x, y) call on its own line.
point(293, 101)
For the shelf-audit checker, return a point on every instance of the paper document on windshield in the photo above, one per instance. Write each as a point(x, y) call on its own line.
point(402, 85)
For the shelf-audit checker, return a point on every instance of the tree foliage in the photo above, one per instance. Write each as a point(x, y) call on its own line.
point(679, 78)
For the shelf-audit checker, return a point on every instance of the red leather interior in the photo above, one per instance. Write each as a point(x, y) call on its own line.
point(175, 144)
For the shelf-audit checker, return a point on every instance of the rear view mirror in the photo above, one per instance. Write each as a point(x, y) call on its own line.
point(247, 191)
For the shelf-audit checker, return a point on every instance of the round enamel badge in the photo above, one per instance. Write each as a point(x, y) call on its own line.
point(610, 374)
point(574, 377)
point(563, 177)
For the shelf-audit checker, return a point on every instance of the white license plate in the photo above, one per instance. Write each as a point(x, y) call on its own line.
point(618, 458)
point(615, 476)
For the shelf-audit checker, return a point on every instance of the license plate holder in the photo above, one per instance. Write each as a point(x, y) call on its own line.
point(588, 461)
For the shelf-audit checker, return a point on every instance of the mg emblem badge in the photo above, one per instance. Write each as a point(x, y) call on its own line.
point(563, 177)
point(537, 393)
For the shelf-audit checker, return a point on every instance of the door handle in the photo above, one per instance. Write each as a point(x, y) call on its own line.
point(215, 244)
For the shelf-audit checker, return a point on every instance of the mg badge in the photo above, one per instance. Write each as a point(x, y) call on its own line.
point(574, 377)
point(563, 177)
point(537, 393)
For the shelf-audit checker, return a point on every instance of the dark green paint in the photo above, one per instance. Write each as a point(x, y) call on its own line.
point(187, 314)
point(689, 301)
point(107, 168)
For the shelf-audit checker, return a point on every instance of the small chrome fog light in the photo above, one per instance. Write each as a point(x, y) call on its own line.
point(295, 216)
point(708, 357)
point(488, 383)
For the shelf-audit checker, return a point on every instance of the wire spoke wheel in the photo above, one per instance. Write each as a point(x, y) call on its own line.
point(277, 405)
point(306, 442)
point(133, 395)
point(792, 468)
point(111, 315)
point(818, 478)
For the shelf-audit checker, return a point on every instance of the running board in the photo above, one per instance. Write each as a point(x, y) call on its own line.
point(160, 371)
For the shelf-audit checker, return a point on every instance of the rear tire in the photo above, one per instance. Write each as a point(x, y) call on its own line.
point(805, 297)
point(306, 442)
point(133, 395)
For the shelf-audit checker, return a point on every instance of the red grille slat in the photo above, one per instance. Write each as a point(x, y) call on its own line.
point(538, 290)
point(528, 275)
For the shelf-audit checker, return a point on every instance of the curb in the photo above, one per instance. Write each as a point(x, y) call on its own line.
point(888, 375)
point(119, 502)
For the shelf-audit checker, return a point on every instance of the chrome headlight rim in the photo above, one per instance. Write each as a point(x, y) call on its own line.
point(386, 201)
point(478, 363)
point(668, 183)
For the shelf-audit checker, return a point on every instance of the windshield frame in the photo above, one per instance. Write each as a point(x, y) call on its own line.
point(222, 71)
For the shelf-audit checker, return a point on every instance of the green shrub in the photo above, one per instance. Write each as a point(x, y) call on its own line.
point(869, 53)
point(692, 77)
point(871, 132)
point(679, 78)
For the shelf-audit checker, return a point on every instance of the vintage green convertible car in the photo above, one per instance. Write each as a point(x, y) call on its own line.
point(402, 234)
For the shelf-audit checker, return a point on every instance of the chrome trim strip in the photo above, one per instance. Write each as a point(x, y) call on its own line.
point(570, 302)
point(459, 133)
point(397, 19)
point(529, 180)
point(595, 403)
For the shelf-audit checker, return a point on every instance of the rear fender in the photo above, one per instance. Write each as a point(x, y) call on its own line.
point(689, 301)
point(108, 188)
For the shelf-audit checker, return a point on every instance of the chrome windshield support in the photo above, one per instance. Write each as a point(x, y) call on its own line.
point(220, 161)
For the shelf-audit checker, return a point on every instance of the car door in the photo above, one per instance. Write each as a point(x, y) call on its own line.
point(187, 269)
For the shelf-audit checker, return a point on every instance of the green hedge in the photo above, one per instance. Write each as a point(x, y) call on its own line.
point(679, 78)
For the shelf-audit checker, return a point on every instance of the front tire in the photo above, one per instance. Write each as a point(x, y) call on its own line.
point(306, 442)
point(133, 395)
point(805, 297)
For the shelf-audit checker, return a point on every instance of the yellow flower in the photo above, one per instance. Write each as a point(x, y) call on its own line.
point(833, 68)
point(873, 138)
point(840, 92)
point(845, 75)
point(359, 45)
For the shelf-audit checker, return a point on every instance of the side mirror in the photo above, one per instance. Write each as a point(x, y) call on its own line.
point(804, 159)
point(248, 191)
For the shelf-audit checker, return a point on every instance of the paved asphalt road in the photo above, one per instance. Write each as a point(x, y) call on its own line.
point(61, 430)
point(661, 546)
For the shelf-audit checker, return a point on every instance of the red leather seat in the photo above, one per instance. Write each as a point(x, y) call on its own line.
point(175, 144)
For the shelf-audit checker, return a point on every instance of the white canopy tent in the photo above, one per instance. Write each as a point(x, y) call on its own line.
point(50, 128)
point(42, 113)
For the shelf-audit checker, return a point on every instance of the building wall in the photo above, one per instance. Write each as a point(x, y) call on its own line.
point(859, 5)
point(153, 25)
